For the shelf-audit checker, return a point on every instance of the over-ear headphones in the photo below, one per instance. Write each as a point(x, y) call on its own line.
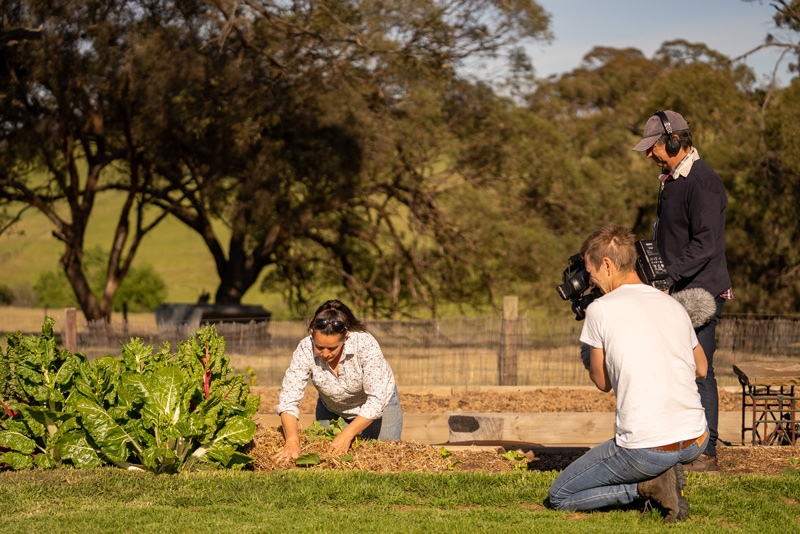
point(673, 144)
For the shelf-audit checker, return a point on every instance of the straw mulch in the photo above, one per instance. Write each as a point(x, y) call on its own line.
point(379, 456)
point(398, 456)
point(758, 460)
point(401, 456)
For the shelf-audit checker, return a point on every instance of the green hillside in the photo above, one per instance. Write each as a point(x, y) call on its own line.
point(176, 252)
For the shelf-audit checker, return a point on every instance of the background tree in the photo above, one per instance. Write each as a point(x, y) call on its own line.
point(598, 107)
point(602, 106)
point(763, 249)
point(141, 290)
point(66, 136)
point(337, 147)
point(787, 17)
point(765, 254)
point(315, 132)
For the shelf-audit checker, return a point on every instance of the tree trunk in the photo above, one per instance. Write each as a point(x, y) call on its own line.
point(235, 280)
point(92, 309)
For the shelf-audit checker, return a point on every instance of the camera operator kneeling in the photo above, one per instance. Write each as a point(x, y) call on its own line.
point(644, 347)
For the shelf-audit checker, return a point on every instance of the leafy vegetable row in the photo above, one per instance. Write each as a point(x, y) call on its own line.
point(147, 410)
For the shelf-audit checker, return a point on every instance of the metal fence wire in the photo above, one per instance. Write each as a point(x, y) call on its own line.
point(466, 351)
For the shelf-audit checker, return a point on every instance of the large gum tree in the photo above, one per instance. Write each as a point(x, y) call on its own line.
point(311, 131)
point(317, 133)
point(66, 129)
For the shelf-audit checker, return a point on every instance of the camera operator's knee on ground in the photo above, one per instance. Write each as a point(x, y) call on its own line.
point(557, 498)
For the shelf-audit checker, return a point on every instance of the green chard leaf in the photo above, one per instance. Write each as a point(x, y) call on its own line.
point(162, 402)
point(68, 368)
point(17, 441)
point(104, 430)
point(133, 389)
point(16, 425)
point(251, 404)
point(37, 428)
point(50, 419)
point(44, 461)
point(238, 431)
point(73, 446)
point(136, 430)
point(160, 459)
point(30, 376)
point(135, 355)
point(70, 423)
point(98, 380)
point(238, 460)
point(16, 460)
point(306, 460)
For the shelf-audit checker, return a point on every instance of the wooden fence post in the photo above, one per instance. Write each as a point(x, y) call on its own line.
point(71, 330)
point(507, 357)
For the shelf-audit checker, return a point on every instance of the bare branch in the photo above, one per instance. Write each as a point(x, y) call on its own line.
point(787, 46)
point(15, 36)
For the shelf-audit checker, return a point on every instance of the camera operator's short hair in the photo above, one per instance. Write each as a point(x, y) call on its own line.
point(614, 242)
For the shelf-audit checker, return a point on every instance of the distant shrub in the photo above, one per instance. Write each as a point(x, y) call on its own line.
point(24, 295)
point(141, 290)
point(6, 295)
point(52, 290)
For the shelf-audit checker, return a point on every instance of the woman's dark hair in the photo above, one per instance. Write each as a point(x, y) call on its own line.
point(333, 317)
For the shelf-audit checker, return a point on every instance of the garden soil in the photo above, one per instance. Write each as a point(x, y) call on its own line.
point(400, 456)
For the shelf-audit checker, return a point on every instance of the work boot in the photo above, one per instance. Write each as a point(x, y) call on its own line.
point(704, 464)
point(667, 490)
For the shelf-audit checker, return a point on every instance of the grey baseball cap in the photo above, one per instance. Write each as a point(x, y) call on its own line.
point(654, 128)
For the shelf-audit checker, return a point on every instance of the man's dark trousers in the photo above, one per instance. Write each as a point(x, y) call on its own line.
point(707, 387)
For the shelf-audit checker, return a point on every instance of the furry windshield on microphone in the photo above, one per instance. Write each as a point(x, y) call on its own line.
point(699, 304)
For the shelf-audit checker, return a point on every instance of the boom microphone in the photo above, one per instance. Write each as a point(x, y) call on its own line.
point(699, 304)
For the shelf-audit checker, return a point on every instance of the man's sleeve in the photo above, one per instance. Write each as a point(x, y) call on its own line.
point(591, 333)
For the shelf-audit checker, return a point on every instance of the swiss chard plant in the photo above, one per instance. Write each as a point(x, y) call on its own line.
point(147, 410)
point(38, 379)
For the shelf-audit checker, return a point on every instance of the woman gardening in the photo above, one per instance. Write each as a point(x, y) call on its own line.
point(353, 379)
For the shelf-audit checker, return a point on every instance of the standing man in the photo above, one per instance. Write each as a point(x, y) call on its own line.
point(690, 232)
point(642, 345)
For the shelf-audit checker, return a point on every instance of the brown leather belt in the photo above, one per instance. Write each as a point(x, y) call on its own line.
point(678, 445)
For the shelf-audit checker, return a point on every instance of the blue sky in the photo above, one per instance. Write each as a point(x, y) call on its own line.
point(731, 27)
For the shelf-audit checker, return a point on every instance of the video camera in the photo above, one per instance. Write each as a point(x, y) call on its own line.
point(649, 266)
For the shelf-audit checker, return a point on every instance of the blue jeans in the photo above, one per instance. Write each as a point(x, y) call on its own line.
point(608, 475)
point(707, 387)
point(388, 427)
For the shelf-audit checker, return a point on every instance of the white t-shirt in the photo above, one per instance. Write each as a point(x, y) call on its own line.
point(648, 341)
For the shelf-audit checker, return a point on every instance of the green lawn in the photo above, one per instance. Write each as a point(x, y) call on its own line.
point(111, 500)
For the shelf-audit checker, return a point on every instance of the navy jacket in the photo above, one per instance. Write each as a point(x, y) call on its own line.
point(691, 230)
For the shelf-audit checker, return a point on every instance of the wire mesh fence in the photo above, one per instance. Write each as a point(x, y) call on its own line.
point(460, 351)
